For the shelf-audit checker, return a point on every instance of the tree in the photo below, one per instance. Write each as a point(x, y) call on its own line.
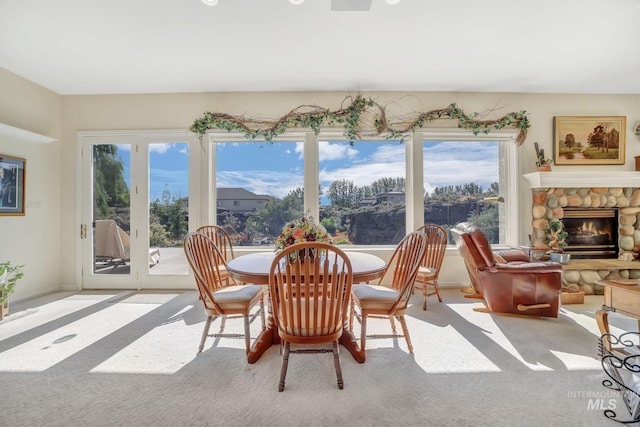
point(329, 224)
point(387, 184)
point(109, 187)
point(569, 140)
point(342, 193)
point(494, 189)
point(298, 194)
point(598, 138)
point(486, 218)
point(171, 217)
point(275, 214)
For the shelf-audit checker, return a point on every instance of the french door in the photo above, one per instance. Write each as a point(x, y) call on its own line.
point(136, 208)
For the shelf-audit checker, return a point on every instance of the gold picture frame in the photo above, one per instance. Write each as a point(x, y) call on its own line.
point(12, 180)
point(589, 140)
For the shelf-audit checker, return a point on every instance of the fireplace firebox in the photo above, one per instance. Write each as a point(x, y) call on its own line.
point(592, 232)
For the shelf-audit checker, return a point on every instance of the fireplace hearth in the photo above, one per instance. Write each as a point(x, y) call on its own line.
point(592, 232)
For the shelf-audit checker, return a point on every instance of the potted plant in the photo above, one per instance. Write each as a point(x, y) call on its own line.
point(543, 164)
point(9, 275)
point(555, 240)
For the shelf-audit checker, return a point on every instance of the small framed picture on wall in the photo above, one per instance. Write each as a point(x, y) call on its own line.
point(12, 180)
point(589, 140)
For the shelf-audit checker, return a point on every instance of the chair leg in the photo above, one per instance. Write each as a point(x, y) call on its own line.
point(285, 364)
point(405, 331)
point(435, 285)
point(351, 315)
point(393, 325)
point(247, 333)
point(424, 296)
point(223, 323)
point(336, 362)
point(205, 333)
point(363, 331)
point(262, 313)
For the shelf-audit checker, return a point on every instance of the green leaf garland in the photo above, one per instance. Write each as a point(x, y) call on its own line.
point(353, 118)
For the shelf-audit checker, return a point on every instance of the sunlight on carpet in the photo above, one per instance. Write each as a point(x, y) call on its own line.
point(48, 349)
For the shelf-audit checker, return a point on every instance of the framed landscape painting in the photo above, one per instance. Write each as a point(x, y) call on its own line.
point(589, 140)
point(11, 185)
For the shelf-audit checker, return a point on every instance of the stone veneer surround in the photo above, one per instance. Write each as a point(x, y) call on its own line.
point(550, 204)
point(553, 191)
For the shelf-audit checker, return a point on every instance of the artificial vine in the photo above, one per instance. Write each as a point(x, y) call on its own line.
point(361, 118)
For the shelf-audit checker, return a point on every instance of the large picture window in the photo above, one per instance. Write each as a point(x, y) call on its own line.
point(259, 188)
point(363, 191)
point(369, 193)
point(462, 182)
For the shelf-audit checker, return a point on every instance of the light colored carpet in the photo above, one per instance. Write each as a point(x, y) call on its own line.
point(129, 359)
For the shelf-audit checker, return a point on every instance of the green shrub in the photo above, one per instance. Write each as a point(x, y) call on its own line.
point(329, 224)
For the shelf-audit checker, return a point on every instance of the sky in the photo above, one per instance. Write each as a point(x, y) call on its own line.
point(277, 168)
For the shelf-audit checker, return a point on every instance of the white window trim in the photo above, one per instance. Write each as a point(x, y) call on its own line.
point(414, 170)
point(209, 159)
point(511, 170)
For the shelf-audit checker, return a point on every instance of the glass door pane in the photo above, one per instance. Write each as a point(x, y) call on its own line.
point(111, 211)
point(168, 207)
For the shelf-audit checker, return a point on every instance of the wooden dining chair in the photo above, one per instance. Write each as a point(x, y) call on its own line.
point(429, 269)
point(309, 285)
point(223, 242)
point(389, 302)
point(221, 238)
point(221, 297)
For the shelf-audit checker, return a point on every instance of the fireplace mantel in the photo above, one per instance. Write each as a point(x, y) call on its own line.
point(583, 179)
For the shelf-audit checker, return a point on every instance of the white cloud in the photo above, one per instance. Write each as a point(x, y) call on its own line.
point(386, 160)
point(261, 182)
point(335, 151)
point(444, 164)
point(451, 163)
point(159, 148)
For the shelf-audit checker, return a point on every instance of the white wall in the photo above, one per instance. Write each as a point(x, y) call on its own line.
point(177, 111)
point(33, 239)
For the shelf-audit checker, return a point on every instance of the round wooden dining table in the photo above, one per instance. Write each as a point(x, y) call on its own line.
point(254, 268)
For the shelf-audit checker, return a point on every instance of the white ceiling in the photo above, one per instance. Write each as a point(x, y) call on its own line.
point(159, 46)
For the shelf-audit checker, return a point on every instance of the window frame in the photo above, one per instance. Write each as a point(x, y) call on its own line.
point(414, 168)
point(508, 149)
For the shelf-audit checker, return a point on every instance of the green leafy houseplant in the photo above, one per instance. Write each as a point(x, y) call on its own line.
point(9, 275)
point(555, 236)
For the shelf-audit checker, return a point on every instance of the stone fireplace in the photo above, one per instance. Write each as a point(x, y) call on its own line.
point(623, 203)
point(601, 210)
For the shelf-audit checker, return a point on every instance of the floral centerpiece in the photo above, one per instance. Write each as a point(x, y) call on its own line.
point(301, 230)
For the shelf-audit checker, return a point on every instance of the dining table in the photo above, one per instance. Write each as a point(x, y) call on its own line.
point(255, 268)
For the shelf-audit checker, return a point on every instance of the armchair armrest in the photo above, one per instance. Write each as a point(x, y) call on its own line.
point(511, 255)
point(529, 267)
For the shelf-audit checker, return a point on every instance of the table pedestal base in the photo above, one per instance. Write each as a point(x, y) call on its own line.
point(266, 339)
point(348, 340)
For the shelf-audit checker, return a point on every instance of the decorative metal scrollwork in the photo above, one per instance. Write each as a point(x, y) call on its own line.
point(622, 366)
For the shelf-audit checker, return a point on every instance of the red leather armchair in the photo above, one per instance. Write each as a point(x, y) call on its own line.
point(515, 285)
